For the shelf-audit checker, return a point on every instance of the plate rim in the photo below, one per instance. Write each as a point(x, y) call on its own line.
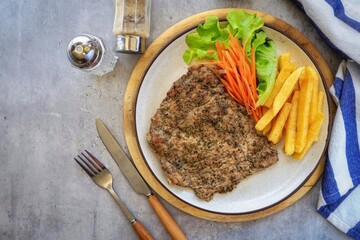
point(129, 114)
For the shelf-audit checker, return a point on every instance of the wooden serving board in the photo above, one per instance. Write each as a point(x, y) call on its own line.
point(130, 110)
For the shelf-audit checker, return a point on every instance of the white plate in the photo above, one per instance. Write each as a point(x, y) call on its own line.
point(259, 195)
point(258, 191)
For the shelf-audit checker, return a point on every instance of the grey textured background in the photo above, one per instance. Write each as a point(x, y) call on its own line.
point(47, 116)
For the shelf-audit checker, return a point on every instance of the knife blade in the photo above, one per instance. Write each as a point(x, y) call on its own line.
point(136, 181)
point(126, 167)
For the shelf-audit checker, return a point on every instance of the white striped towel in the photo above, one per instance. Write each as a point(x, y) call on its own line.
point(338, 22)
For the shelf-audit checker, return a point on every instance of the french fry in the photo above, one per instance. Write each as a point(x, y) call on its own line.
point(301, 78)
point(320, 101)
point(265, 119)
point(293, 109)
point(267, 129)
point(320, 97)
point(284, 73)
point(311, 73)
point(279, 124)
point(290, 133)
point(314, 131)
point(289, 99)
point(286, 89)
point(297, 86)
point(302, 122)
point(283, 60)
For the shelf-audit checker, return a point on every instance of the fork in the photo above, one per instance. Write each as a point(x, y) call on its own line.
point(103, 178)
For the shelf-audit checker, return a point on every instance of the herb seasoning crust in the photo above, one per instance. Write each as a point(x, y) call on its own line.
point(204, 139)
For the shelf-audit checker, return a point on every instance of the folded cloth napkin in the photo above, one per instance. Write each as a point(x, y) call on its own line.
point(338, 22)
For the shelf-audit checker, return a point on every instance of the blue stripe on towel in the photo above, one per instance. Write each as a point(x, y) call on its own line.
point(348, 108)
point(323, 210)
point(355, 231)
point(338, 85)
point(328, 42)
point(326, 210)
point(329, 190)
point(339, 12)
point(322, 34)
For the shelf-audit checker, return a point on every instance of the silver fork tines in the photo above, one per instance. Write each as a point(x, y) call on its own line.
point(94, 166)
point(103, 178)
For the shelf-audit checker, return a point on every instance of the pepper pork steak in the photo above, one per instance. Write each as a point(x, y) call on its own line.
point(204, 139)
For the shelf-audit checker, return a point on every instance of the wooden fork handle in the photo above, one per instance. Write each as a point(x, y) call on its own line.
point(166, 219)
point(141, 231)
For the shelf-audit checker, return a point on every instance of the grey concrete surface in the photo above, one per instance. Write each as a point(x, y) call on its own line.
point(47, 116)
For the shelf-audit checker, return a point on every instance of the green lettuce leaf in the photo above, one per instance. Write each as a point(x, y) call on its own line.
point(203, 40)
point(266, 68)
point(247, 27)
point(259, 39)
point(195, 53)
point(244, 25)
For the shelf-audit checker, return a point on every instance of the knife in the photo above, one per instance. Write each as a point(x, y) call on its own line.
point(136, 181)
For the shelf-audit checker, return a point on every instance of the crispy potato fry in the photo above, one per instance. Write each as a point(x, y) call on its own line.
point(293, 109)
point(302, 122)
point(264, 109)
point(301, 78)
point(286, 89)
point(267, 129)
point(289, 99)
point(320, 99)
point(314, 131)
point(279, 124)
point(290, 133)
point(311, 73)
point(283, 60)
point(297, 86)
point(265, 119)
point(285, 72)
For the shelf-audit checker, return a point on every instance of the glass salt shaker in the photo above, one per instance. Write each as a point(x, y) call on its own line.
point(132, 25)
point(88, 53)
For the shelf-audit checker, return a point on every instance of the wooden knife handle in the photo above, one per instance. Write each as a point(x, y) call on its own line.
point(141, 231)
point(166, 219)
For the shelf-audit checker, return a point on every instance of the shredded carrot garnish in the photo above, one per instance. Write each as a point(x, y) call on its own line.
point(238, 74)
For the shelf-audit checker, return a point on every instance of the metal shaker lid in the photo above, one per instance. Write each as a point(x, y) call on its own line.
point(130, 44)
point(84, 51)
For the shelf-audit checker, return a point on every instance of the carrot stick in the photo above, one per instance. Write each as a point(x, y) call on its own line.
point(238, 74)
point(246, 72)
point(235, 43)
point(218, 49)
point(233, 54)
point(235, 51)
point(226, 84)
point(233, 85)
